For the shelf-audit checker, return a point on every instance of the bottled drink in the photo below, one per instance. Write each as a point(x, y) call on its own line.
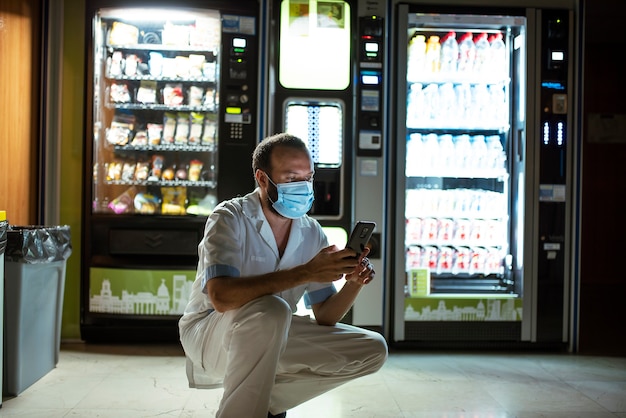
point(495, 152)
point(416, 105)
point(449, 53)
point(479, 151)
point(431, 102)
point(463, 95)
point(467, 53)
point(447, 105)
point(417, 56)
point(483, 50)
point(433, 54)
point(446, 152)
point(498, 55)
point(415, 155)
point(430, 149)
point(462, 151)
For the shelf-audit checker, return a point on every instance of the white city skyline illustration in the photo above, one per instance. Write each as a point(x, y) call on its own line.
point(495, 310)
point(144, 303)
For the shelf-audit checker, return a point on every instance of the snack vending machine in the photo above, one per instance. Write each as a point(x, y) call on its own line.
point(172, 118)
point(482, 168)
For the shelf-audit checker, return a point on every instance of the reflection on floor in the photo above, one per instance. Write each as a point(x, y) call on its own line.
point(114, 381)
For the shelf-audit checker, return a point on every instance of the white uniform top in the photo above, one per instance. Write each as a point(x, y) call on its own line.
point(238, 241)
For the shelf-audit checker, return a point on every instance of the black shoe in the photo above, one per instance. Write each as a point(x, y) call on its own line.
point(281, 415)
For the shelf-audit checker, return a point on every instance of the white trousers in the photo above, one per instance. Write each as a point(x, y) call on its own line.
point(268, 359)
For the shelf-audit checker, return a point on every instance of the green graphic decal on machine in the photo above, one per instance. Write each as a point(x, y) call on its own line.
point(486, 308)
point(139, 292)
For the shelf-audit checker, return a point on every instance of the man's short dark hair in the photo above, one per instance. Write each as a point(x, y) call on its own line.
point(261, 157)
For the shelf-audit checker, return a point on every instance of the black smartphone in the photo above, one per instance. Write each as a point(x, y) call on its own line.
point(360, 236)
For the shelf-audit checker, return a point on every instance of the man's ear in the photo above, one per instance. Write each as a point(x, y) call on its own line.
point(260, 177)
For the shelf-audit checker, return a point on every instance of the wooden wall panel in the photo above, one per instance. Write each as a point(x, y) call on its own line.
point(20, 28)
point(602, 272)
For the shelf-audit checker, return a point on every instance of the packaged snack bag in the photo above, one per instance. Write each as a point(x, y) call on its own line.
point(142, 171)
point(173, 200)
point(119, 93)
point(208, 133)
point(195, 96)
point(196, 62)
point(123, 34)
point(147, 92)
point(195, 131)
point(157, 166)
point(173, 94)
point(140, 139)
point(114, 170)
point(124, 202)
point(182, 128)
point(169, 128)
point(128, 170)
point(146, 203)
point(195, 170)
point(154, 133)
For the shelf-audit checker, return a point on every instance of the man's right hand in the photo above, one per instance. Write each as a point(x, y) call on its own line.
point(331, 264)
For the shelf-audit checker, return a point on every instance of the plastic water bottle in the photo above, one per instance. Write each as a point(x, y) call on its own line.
point(467, 53)
point(496, 156)
point(417, 57)
point(462, 151)
point(446, 152)
point(498, 110)
point(483, 51)
point(449, 53)
point(431, 150)
point(463, 95)
point(447, 105)
point(497, 51)
point(415, 155)
point(416, 110)
point(433, 54)
point(431, 102)
point(479, 151)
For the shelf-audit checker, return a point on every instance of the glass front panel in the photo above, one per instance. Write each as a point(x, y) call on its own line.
point(155, 103)
point(459, 202)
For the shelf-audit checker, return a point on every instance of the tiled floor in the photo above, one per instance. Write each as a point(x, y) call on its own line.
point(149, 381)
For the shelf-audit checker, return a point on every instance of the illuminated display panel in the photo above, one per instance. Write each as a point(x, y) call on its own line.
point(314, 45)
point(321, 127)
point(558, 55)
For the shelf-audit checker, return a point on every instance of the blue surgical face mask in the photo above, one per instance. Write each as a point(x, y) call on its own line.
point(294, 198)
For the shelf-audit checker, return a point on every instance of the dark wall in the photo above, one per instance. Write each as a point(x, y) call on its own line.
point(603, 208)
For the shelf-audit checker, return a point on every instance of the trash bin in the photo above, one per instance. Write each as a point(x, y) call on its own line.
point(3, 244)
point(34, 268)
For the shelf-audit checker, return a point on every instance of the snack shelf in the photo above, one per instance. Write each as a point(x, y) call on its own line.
point(165, 48)
point(163, 107)
point(166, 148)
point(147, 77)
point(168, 183)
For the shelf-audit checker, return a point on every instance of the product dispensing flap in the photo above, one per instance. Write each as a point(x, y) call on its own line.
point(38, 244)
point(3, 236)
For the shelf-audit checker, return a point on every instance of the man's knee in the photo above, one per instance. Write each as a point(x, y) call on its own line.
point(270, 314)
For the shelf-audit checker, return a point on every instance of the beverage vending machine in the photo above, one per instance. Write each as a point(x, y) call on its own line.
point(484, 123)
point(172, 117)
point(327, 86)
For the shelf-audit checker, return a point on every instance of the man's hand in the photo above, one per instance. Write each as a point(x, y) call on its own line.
point(331, 264)
point(364, 272)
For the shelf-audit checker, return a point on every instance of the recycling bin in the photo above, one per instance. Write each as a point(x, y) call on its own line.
point(34, 282)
